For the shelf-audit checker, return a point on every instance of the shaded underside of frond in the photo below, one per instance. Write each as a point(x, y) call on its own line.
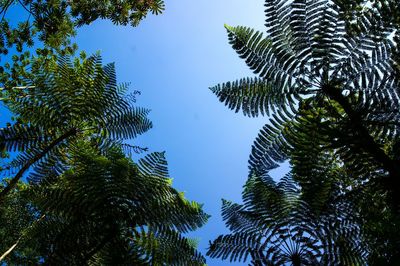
point(99, 199)
point(276, 226)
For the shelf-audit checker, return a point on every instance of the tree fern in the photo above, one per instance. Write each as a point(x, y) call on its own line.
point(332, 99)
point(308, 59)
point(104, 202)
point(65, 101)
point(276, 226)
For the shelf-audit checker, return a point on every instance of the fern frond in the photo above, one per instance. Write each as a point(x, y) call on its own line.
point(127, 125)
point(255, 96)
point(70, 95)
point(163, 245)
point(154, 164)
point(271, 146)
point(261, 58)
point(19, 137)
point(235, 247)
point(284, 229)
point(100, 200)
point(333, 102)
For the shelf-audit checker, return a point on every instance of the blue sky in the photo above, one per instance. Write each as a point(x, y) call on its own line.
point(173, 59)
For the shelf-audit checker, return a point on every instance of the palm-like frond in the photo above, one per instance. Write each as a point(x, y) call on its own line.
point(101, 202)
point(275, 226)
point(271, 146)
point(126, 12)
point(75, 94)
point(64, 101)
point(19, 137)
point(307, 54)
point(333, 101)
point(254, 96)
point(154, 164)
point(163, 246)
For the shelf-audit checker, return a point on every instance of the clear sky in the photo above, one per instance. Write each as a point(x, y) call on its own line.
point(173, 59)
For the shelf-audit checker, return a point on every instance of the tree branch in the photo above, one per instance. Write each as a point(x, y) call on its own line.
point(369, 143)
point(13, 182)
point(5, 7)
point(5, 254)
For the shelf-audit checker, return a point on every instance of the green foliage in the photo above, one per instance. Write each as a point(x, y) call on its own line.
point(121, 12)
point(85, 202)
point(15, 216)
point(105, 208)
point(332, 98)
point(54, 22)
point(386, 12)
point(311, 65)
point(62, 102)
point(275, 226)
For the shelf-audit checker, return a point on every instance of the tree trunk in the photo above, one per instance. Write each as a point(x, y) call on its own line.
point(13, 182)
point(392, 182)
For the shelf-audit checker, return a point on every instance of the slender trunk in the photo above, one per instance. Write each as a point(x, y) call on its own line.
point(392, 183)
point(5, 254)
point(13, 182)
